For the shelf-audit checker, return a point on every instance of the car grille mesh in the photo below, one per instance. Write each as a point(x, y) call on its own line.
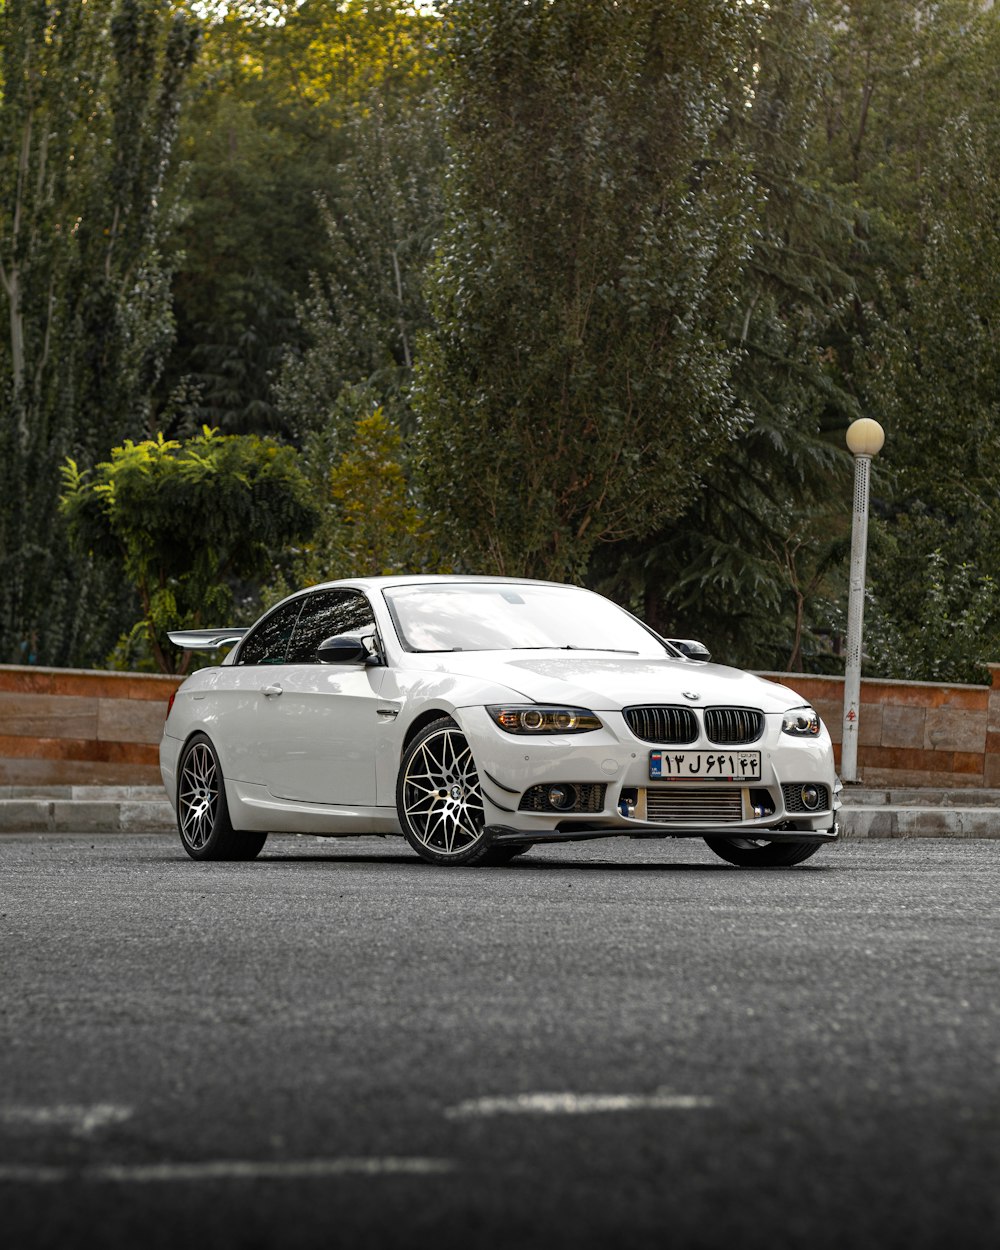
point(733, 726)
point(589, 798)
point(672, 726)
point(794, 803)
point(682, 805)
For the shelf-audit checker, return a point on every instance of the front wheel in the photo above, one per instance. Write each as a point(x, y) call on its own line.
point(202, 812)
point(439, 799)
point(757, 853)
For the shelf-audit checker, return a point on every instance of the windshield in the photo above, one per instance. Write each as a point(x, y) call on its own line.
point(473, 616)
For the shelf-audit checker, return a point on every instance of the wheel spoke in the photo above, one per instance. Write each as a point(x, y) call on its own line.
point(442, 801)
point(198, 795)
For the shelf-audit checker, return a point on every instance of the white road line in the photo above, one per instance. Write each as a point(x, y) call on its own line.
point(24, 1175)
point(576, 1104)
point(81, 1121)
point(228, 1170)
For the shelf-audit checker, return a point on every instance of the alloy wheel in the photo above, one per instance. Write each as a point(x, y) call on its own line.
point(441, 798)
point(198, 795)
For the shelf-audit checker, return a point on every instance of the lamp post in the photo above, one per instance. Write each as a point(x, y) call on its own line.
point(864, 439)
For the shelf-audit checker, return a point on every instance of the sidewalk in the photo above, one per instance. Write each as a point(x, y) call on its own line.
point(925, 813)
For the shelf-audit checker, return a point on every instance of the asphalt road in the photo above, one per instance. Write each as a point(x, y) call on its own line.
point(614, 1043)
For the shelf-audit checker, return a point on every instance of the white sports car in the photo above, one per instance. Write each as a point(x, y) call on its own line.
point(478, 716)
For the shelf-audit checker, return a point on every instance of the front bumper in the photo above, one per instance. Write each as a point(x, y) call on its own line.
point(633, 803)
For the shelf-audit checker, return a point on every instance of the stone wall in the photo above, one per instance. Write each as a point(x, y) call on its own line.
point(915, 733)
point(69, 727)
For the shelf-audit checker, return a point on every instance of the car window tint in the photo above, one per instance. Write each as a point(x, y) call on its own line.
point(325, 615)
point(267, 642)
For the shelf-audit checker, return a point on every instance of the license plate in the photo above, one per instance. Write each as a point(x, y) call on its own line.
point(704, 765)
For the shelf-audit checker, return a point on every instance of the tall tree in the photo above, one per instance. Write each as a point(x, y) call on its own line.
point(909, 129)
point(88, 117)
point(288, 132)
point(577, 381)
point(745, 567)
point(934, 378)
point(366, 308)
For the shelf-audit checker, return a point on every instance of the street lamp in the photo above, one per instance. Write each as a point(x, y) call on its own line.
point(864, 439)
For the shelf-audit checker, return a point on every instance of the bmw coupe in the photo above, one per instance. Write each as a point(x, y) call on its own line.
point(478, 717)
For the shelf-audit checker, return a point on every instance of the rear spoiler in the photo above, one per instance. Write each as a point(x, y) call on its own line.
point(206, 639)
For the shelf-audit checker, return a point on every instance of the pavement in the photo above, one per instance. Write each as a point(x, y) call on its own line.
point(867, 813)
point(612, 1044)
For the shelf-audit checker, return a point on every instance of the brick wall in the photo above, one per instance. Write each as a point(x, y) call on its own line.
point(69, 727)
point(915, 733)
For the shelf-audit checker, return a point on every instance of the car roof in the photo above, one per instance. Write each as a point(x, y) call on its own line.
point(436, 579)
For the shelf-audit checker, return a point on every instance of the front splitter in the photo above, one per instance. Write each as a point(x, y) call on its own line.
point(504, 835)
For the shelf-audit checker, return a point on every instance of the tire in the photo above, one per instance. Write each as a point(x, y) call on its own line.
point(202, 812)
point(497, 856)
point(756, 853)
point(439, 799)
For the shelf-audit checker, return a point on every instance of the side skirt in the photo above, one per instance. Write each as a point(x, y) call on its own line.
point(253, 807)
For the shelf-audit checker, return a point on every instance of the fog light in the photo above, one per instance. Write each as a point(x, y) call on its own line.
point(810, 797)
point(561, 797)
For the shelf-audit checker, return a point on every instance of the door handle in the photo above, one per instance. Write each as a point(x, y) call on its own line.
point(268, 691)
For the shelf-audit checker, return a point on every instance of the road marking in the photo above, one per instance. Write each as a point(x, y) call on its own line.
point(576, 1104)
point(79, 1120)
point(228, 1170)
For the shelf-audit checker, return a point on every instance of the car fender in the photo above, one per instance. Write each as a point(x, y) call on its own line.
point(411, 700)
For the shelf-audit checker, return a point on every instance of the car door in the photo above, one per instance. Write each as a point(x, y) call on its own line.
point(320, 722)
point(240, 719)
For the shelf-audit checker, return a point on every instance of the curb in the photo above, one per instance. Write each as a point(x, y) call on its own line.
point(145, 809)
point(859, 823)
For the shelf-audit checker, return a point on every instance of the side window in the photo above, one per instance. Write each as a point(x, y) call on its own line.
point(267, 642)
point(326, 614)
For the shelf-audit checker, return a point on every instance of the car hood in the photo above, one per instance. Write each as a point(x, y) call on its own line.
point(613, 682)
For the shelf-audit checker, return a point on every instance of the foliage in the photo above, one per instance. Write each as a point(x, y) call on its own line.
point(182, 521)
point(364, 311)
point(370, 524)
point(88, 110)
point(634, 266)
point(746, 565)
point(935, 378)
point(575, 384)
point(286, 158)
point(875, 205)
point(943, 619)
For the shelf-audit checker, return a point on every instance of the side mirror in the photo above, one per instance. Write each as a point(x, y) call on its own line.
point(343, 649)
point(690, 648)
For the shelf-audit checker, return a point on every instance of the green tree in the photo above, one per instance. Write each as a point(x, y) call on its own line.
point(370, 522)
point(869, 289)
point(286, 151)
point(907, 130)
point(749, 563)
point(184, 521)
point(366, 307)
point(577, 381)
point(88, 110)
point(934, 378)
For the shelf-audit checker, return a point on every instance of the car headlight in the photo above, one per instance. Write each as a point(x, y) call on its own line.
point(801, 722)
point(533, 718)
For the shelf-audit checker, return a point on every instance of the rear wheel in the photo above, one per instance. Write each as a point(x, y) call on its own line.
point(757, 853)
point(439, 799)
point(202, 812)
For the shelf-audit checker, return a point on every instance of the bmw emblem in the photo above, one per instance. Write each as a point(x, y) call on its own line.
point(692, 695)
